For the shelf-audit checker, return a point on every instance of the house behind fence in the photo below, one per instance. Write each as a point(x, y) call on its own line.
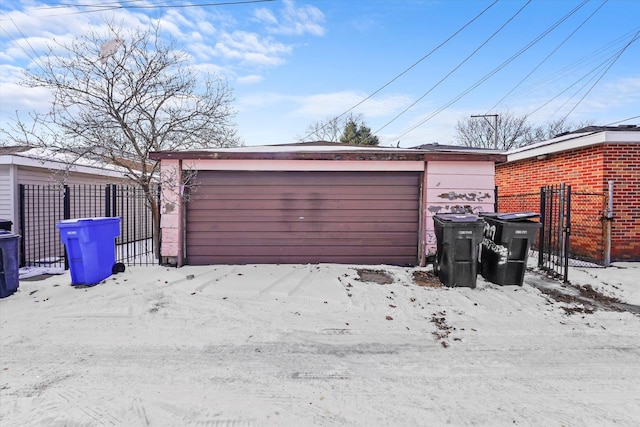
point(587, 227)
point(33, 197)
point(601, 165)
point(43, 206)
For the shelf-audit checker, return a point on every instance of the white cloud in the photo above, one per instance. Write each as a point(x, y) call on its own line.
point(261, 100)
point(293, 20)
point(338, 102)
point(623, 91)
point(250, 79)
point(251, 48)
point(211, 69)
point(21, 99)
point(266, 16)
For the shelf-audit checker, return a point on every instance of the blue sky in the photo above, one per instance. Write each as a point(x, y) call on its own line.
point(291, 63)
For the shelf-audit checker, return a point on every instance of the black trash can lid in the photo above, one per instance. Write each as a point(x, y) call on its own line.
point(507, 216)
point(458, 217)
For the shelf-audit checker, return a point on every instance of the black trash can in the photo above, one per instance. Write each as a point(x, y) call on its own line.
point(5, 224)
point(505, 247)
point(458, 243)
point(9, 265)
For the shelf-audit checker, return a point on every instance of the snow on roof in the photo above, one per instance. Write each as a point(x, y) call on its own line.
point(331, 147)
point(333, 151)
point(57, 160)
point(592, 135)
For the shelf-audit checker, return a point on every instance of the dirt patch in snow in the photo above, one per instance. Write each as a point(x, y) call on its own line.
point(443, 329)
point(380, 277)
point(426, 278)
point(584, 299)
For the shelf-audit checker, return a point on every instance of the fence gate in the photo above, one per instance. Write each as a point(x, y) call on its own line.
point(554, 242)
point(43, 206)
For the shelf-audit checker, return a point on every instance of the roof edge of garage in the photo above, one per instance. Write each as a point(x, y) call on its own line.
point(361, 155)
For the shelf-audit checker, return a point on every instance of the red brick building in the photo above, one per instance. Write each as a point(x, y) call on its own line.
point(587, 159)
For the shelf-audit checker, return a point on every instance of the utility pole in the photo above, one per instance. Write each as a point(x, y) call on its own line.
point(495, 127)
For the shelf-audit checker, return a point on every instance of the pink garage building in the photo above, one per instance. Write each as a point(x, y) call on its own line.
point(317, 202)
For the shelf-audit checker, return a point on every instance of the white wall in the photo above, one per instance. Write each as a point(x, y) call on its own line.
point(7, 193)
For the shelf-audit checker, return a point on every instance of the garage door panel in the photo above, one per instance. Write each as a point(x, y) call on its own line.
point(291, 251)
point(310, 204)
point(297, 259)
point(237, 217)
point(226, 192)
point(240, 228)
point(325, 215)
point(242, 179)
point(306, 239)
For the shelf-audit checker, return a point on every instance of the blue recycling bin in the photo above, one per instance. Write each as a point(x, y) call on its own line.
point(9, 264)
point(91, 248)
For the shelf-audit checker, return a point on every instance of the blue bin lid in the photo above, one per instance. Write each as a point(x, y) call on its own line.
point(4, 234)
point(458, 217)
point(86, 221)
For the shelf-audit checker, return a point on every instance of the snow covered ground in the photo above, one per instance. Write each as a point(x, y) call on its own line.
point(320, 345)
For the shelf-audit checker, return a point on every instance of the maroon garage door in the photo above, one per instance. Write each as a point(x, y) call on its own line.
point(239, 217)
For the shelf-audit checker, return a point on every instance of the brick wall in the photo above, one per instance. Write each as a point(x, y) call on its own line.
point(587, 170)
point(582, 169)
point(622, 166)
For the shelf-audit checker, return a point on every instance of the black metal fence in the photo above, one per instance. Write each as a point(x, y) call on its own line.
point(554, 241)
point(586, 235)
point(43, 206)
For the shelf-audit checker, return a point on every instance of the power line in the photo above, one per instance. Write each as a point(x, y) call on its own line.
point(548, 56)
point(494, 71)
point(455, 69)
point(34, 58)
point(637, 35)
point(593, 70)
point(621, 121)
point(406, 70)
point(105, 7)
point(579, 64)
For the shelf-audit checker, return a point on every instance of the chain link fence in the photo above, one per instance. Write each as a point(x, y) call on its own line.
point(587, 229)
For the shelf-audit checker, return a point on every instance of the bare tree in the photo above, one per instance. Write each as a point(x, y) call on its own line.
point(480, 133)
point(329, 130)
point(554, 128)
point(121, 95)
point(513, 131)
point(349, 129)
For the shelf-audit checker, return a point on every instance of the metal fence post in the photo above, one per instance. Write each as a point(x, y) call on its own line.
point(107, 200)
point(608, 219)
point(567, 234)
point(543, 196)
point(21, 207)
point(66, 214)
point(561, 208)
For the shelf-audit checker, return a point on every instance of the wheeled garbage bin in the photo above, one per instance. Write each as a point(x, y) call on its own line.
point(458, 243)
point(5, 224)
point(91, 248)
point(9, 264)
point(505, 247)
